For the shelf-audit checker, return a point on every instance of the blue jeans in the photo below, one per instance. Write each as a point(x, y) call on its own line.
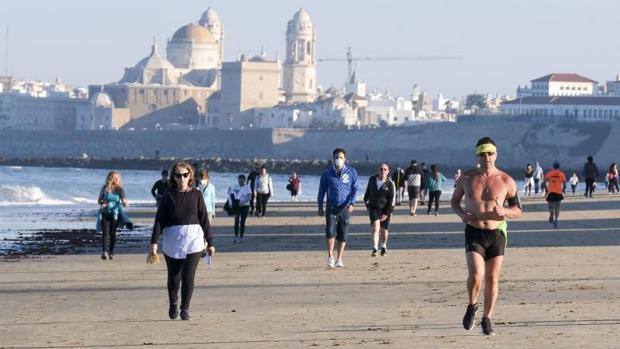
point(337, 223)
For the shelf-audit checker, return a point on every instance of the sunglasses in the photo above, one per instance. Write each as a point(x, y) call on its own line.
point(489, 154)
point(179, 175)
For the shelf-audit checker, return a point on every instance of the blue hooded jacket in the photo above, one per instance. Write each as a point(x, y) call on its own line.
point(341, 189)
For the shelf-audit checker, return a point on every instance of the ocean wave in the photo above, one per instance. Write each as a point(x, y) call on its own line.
point(27, 195)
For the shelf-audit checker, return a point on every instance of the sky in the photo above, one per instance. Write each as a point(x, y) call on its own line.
point(505, 43)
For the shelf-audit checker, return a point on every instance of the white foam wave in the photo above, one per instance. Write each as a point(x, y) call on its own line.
point(26, 195)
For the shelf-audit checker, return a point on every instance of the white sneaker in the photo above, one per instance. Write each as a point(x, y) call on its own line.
point(339, 263)
point(330, 262)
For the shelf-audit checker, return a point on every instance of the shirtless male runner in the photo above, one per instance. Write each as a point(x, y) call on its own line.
point(485, 189)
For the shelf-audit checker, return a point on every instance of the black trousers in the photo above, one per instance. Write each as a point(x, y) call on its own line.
point(589, 186)
point(252, 202)
point(433, 196)
point(108, 227)
point(181, 272)
point(240, 220)
point(261, 204)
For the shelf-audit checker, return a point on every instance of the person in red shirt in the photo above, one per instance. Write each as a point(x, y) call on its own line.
point(556, 186)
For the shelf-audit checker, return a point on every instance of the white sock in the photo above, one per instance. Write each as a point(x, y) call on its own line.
point(375, 247)
point(384, 245)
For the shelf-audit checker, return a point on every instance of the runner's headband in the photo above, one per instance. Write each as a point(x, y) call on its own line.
point(485, 148)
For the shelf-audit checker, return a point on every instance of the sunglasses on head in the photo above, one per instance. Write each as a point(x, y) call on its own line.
point(179, 175)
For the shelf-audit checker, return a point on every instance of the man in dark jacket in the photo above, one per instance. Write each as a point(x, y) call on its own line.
point(398, 177)
point(160, 187)
point(380, 199)
point(590, 173)
point(252, 183)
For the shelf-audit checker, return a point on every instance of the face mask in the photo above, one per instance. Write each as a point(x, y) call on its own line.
point(338, 163)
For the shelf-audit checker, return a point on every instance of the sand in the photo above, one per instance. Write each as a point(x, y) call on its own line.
point(559, 288)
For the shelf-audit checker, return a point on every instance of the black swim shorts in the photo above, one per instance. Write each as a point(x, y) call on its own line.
point(553, 197)
point(375, 214)
point(488, 243)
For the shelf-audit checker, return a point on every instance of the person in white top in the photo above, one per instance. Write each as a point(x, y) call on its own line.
point(241, 196)
point(264, 190)
point(573, 181)
point(539, 176)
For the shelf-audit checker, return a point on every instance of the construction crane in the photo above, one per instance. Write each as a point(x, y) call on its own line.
point(349, 59)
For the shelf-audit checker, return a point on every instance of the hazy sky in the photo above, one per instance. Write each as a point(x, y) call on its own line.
point(506, 43)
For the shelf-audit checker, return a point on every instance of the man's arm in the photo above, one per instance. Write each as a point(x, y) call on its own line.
point(153, 189)
point(354, 190)
point(322, 189)
point(514, 204)
point(455, 202)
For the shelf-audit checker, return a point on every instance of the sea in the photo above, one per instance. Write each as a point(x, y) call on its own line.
point(43, 198)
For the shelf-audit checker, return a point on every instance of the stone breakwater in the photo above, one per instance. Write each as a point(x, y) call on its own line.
point(448, 144)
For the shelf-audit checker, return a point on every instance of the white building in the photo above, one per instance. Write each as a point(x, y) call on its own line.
point(564, 108)
point(559, 84)
point(355, 86)
point(392, 111)
point(612, 88)
point(299, 67)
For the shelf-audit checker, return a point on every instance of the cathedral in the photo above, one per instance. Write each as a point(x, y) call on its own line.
point(162, 91)
point(183, 80)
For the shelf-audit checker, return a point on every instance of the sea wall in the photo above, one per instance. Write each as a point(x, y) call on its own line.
point(449, 144)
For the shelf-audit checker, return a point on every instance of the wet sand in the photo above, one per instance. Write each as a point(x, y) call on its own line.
point(560, 287)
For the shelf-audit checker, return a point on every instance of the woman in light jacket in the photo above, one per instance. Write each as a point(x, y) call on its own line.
point(264, 190)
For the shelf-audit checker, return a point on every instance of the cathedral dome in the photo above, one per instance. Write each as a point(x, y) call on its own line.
point(154, 60)
point(301, 23)
point(210, 17)
point(194, 32)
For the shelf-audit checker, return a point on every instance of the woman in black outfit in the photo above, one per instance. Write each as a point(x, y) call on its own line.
point(183, 219)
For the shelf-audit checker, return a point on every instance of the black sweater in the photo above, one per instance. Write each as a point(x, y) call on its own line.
point(182, 208)
point(380, 199)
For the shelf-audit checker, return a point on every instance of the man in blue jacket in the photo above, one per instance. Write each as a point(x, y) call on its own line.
point(339, 183)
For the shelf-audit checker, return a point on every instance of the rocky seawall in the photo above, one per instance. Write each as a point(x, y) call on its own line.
point(284, 150)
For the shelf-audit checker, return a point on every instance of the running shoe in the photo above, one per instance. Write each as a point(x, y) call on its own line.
point(487, 326)
point(436, 213)
point(374, 253)
point(470, 317)
point(235, 241)
point(383, 251)
point(550, 219)
point(555, 224)
point(339, 263)
point(185, 314)
point(104, 256)
point(331, 263)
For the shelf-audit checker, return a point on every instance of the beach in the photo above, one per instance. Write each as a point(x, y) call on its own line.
point(559, 287)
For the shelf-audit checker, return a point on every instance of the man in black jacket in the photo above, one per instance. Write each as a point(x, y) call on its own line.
point(590, 173)
point(380, 199)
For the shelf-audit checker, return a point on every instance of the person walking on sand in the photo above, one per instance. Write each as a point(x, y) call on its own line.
point(612, 179)
point(528, 180)
point(264, 190)
point(424, 188)
point(160, 187)
point(539, 177)
point(434, 183)
point(380, 198)
point(398, 177)
point(251, 180)
point(111, 201)
point(207, 188)
point(556, 186)
point(294, 183)
point(183, 220)
point(240, 194)
point(591, 175)
point(414, 179)
point(573, 181)
point(339, 184)
point(484, 191)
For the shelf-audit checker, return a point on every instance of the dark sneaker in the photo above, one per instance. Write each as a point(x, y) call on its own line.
point(173, 311)
point(104, 256)
point(555, 224)
point(374, 253)
point(487, 326)
point(550, 219)
point(470, 317)
point(383, 251)
point(185, 314)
